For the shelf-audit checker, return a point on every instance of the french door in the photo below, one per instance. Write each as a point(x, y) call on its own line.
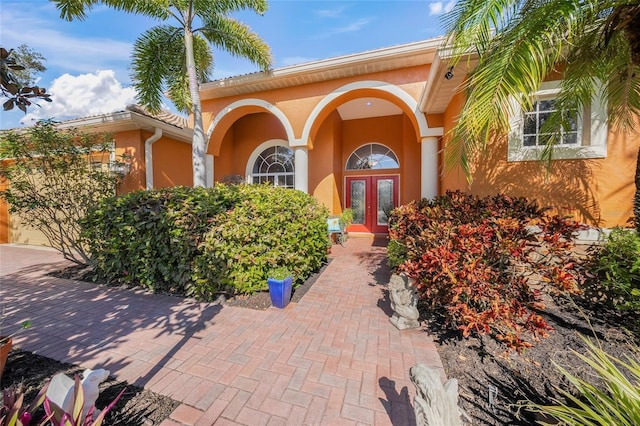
point(371, 198)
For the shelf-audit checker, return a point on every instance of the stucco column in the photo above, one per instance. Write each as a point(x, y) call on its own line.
point(209, 170)
point(429, 167)
point(301, 158)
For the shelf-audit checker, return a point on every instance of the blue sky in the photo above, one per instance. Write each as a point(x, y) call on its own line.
point(88, 61)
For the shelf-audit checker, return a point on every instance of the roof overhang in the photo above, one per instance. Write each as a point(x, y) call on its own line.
point(440, 88)
point(379, 60)
point(122, 121)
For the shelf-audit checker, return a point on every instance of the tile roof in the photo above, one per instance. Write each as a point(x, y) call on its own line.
point(179, 121)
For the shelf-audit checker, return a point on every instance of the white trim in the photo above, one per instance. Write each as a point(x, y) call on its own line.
point(429, 167)
point(382, 86)
point(256, 153)
point(148, 157)
point(415, 53)
point(267, 106)
point(594, 131)
point(209, 161)
point(301, 169)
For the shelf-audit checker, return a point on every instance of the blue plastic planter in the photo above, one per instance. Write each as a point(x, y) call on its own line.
point(280, 291)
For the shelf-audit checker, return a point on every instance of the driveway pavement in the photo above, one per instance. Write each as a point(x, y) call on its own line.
point(331, 359)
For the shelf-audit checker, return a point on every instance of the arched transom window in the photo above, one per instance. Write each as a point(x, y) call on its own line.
point(372, 156)
point(275, 164)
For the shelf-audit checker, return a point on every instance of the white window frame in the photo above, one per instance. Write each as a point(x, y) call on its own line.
point(592, 142)
point(259, 150)
point(346, 166)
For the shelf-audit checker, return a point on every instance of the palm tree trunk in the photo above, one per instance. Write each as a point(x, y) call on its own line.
point(198, 145)
point(636, 198)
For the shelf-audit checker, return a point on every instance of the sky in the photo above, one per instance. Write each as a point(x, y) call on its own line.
point(88, 61)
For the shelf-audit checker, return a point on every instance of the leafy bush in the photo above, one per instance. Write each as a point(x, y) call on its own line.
point(199, 241)
point(616, 266)
point(53, 182)
point(470, 255)
point(617, 402)
point(269, 227)
point(396, 254)
point(279, 273)
point(152, 237)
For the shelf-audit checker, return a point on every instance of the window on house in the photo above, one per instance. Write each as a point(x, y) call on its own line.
point(534, 120)
point(372, 156)
point(276, 165)
point(586, 136)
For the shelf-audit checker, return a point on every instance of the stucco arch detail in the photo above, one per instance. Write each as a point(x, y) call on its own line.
point(388, 91)
point(232, 112)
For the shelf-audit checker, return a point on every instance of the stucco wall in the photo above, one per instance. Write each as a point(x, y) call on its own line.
point(172, 164)
point(298, 102)
point(325, 172)
point(598, 192)
point(241, 140)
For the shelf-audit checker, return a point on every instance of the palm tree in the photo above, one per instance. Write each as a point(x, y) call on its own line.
point(518, 43)
point(178, 58)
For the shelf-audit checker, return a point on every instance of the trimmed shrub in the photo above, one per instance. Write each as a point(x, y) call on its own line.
point(616, 267)
point(269, 227)
point(470, 257)
point(151, 237)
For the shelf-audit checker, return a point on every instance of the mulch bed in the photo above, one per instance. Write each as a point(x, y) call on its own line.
point(492, 382)
point(136, 407)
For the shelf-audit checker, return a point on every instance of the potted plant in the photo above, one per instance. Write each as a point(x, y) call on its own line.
point(280, 281)
point(346, 218)
point(6, 342)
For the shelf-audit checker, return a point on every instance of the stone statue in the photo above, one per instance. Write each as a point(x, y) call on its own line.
point(404, 302)
point(434, 404)
point(60, 390)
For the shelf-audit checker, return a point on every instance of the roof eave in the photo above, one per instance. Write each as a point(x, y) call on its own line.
point(283, 77)
point(126, 120)
point(438, 90)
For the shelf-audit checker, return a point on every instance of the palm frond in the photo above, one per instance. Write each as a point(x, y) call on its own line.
point(237, 39)
point(177, 77)
point(72, 9)
point(156, 54)
point(224, 7)
point(154, 8)
point(533, 40)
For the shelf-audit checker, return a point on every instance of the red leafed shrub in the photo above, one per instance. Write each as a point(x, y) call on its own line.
point(476, 259)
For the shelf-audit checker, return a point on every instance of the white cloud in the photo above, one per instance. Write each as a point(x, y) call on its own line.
point(440, 7)
point(349, 28)
point(83, 95)
point(73, 53)
point(354, 26)
point(329, 13)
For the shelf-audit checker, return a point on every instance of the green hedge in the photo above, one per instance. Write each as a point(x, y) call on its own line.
point(151, 237)
point(199, 241)
point(616, 267)
point(269, 227)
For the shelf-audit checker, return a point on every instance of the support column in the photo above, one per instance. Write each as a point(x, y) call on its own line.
point(429, 167)
point(301, 162)
point(209, 170)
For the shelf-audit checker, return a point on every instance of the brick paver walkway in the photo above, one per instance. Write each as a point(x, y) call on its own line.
point(331, 359)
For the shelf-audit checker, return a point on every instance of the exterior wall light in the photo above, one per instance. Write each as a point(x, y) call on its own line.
point(449, 74)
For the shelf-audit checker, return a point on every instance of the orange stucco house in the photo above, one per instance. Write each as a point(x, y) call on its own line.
point(367, 131)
